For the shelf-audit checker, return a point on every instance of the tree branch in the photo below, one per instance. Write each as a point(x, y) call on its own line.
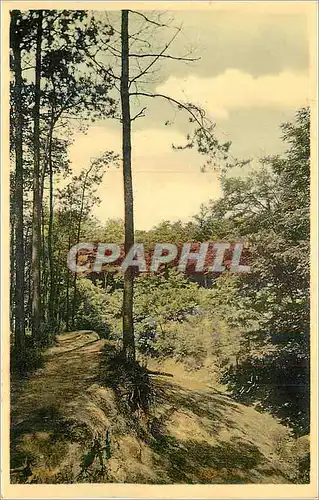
point(137, 39)
point(178, 103)
point(115, 52)
point(26, 68)
point(168, 56)
point(157, 56)
point(140, 113)
point(107, 71)
point(160, 25)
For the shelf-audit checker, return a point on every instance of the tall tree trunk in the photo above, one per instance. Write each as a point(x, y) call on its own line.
point(75, 278)
point(57, 306)
point(27, 278)
point(44, 269)
point(67, 305)
point(78, 240)
point(128, 295)
point(36, 219)
point(19, 324)
point(12, 274)
point(52, 321)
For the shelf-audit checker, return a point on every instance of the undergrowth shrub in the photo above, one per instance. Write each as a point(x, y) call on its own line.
point(91, 312)
point(32, 361)
point(278, 383)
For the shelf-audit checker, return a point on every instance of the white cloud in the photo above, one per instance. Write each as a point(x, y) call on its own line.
point(235, 89)
point(167, 184)
point(145, 143)
point(153, 141)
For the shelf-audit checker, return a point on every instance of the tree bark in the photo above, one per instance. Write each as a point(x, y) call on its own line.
point(36, 218)
point(44, 268)
point(19, 319)
point(128, 294)
point(51, 311)
point(67, 305)
point(12, 273)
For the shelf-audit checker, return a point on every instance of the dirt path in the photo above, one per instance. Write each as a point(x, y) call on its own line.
point(193, 434)
point(70, 367)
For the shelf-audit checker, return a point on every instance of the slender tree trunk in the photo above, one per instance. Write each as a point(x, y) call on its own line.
point(12, 275)
point(19, 323)
point(27, 278)
point(67, 312)
point(77, 241)
point(50, 229)
point(57, 300)
point(85, 182)
point(36, 219)
point(128, 295)
point(75, 279)
point(44, 269)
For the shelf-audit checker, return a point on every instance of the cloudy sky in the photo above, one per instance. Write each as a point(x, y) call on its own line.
point(252, 75)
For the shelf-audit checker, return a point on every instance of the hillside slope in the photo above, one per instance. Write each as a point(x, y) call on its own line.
point(66, 426)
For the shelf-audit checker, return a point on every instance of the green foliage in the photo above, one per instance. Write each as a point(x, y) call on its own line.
point(277, 382)
point(193, 342)
point(270, 209)
point(92, 306)
point(32, 361)
point(113, 231)
point(167, 232)
point(159, 301)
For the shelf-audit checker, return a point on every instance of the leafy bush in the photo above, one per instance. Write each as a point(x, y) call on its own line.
point(91, 312)
point(278, 383)
point(159, 301)
point(32, 361)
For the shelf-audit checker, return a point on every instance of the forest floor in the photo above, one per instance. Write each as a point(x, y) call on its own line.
point(67, 426)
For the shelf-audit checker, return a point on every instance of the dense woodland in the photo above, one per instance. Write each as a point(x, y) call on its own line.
point(71, 68)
